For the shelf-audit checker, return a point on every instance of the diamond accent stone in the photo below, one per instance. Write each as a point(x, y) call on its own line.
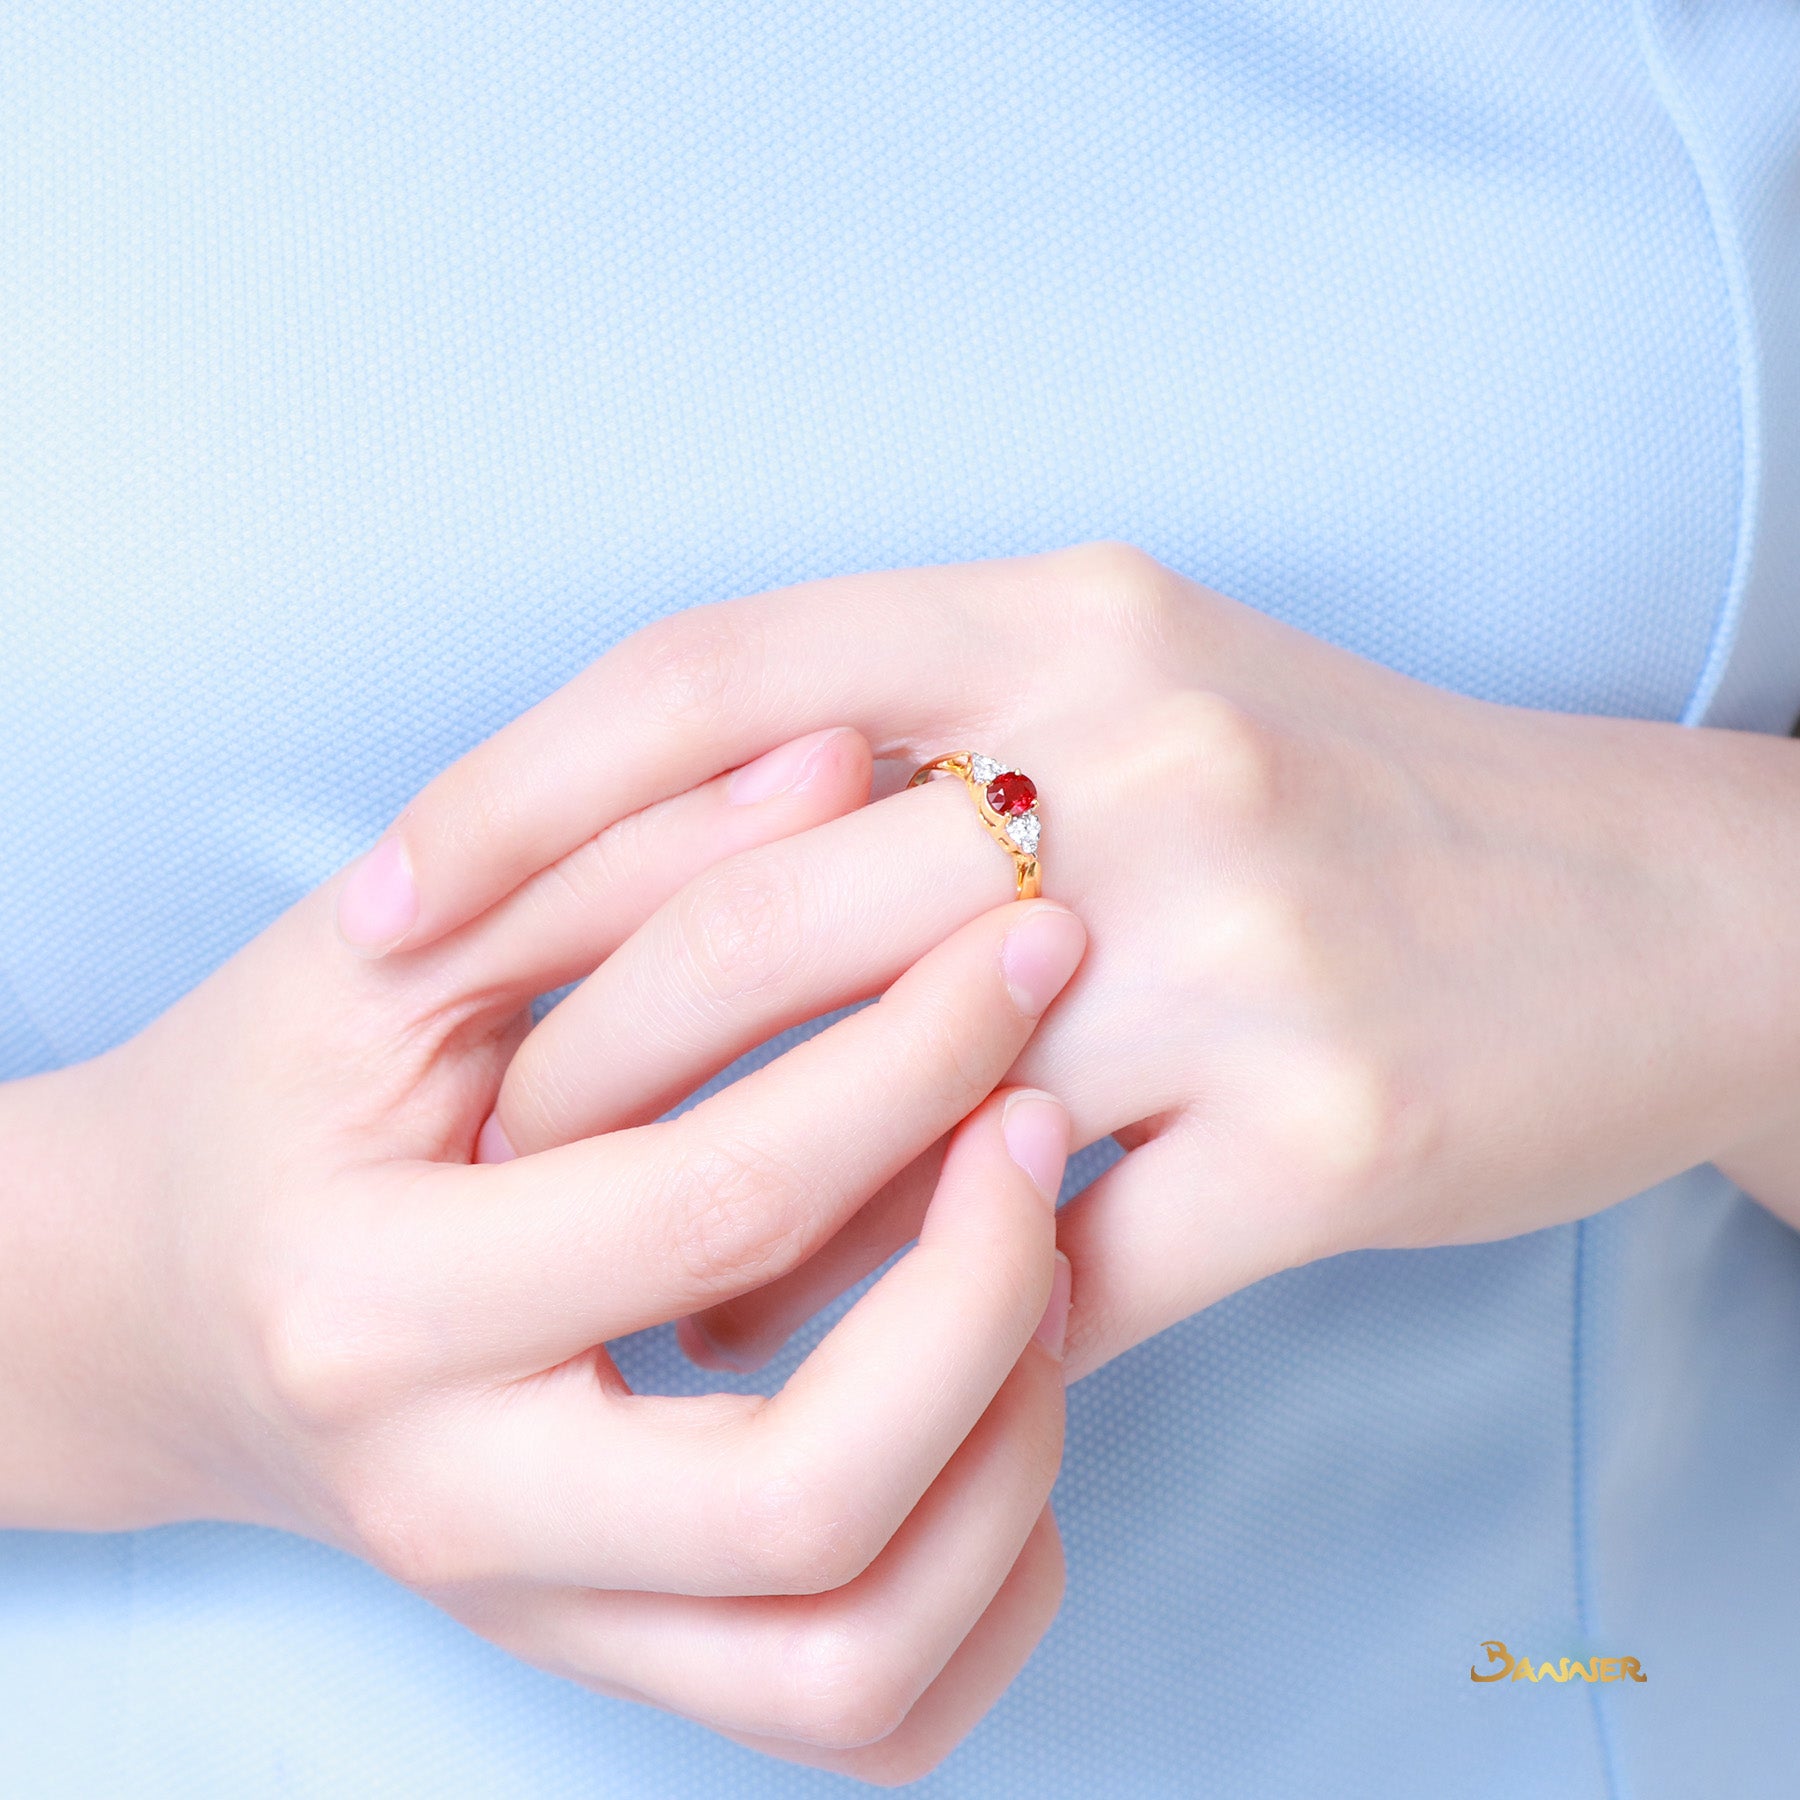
point(1024, 832)
point(984, 768)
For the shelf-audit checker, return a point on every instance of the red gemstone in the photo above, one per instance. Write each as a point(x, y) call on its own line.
point(1011, 793)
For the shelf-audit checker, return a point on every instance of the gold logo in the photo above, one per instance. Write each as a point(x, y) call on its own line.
point(1599, 1668)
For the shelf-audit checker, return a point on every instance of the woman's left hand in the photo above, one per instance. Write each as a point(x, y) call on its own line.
point(1371, 964)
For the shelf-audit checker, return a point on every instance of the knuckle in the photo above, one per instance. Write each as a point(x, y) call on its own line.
point(612, 858)
point(1120, 590)
point(736, 1218)
point(1355, 1127)
point(694, 663)
point(840, 1688)
point(342, 1379)
point(1107, 565)
point(1228, 760)
point(793, 1534)
point(390, 1525)
point(959, 1049)
point(469, 807)
point(741, 927)
point(324, 1364)
point(1265, 943)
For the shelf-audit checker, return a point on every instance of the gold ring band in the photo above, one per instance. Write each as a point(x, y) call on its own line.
point(1007, 803)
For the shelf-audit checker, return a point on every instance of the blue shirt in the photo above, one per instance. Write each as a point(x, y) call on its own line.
point(370, 368)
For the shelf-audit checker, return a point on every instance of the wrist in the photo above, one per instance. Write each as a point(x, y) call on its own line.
point(86, 1437)
point(1659, 946)
point(1743, 975)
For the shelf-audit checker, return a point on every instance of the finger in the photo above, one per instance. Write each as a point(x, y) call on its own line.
point(753, 945)
point(847, 1666)
point(744, 1332)
point(579, 1482)
point(1149, 1249)
point(540, 1257)
point(982, 1668)
point(686, 697)
point(567, 918)
point(1163, 1233)
point(985, 1665)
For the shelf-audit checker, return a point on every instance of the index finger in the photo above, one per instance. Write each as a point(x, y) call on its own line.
point(899, 655)
point(734, 1494)
point(538, 1258)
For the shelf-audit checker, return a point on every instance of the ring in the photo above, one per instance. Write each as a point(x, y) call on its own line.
point(1007, 803)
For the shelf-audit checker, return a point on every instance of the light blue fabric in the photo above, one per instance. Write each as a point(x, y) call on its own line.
point(369, 368)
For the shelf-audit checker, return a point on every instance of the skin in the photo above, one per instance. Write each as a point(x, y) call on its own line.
point(1372, 964)
point(251, 1273)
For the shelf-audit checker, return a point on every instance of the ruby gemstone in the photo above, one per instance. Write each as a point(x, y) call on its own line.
point(1011, 793)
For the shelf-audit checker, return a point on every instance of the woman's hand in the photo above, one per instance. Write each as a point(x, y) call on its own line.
point(250, 1274)
point(1373, 964)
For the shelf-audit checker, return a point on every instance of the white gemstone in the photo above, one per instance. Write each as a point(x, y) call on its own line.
point(983, 768)
point(1023, 830)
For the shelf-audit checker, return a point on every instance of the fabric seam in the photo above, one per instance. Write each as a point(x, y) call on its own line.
point(1729, 251)
point(1582, 1550)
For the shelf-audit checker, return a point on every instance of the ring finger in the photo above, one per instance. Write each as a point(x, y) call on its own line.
point(564, 921)
point(759, 942)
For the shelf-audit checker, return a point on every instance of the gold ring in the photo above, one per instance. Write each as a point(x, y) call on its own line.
point(1007, 803)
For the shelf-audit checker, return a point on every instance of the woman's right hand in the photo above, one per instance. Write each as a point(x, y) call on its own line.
point(248, 1272)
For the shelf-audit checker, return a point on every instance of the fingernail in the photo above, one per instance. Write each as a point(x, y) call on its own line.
point(696, 1346)
point(1053, 1327)
point(1036, 1130)
point(1039, 956)
point(379, 902)
point(784, 770)
point(700, 1347)
point(493, 1145)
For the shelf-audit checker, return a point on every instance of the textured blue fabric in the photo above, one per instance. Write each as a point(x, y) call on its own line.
point(369, 368)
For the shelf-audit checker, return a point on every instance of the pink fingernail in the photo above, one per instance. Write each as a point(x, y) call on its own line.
point(379, 902)
point(494, 1145)
point(700, 1347)
point(1053, 1327)
point(1039, 956)
point(784, 770)
point(1036, 1130)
